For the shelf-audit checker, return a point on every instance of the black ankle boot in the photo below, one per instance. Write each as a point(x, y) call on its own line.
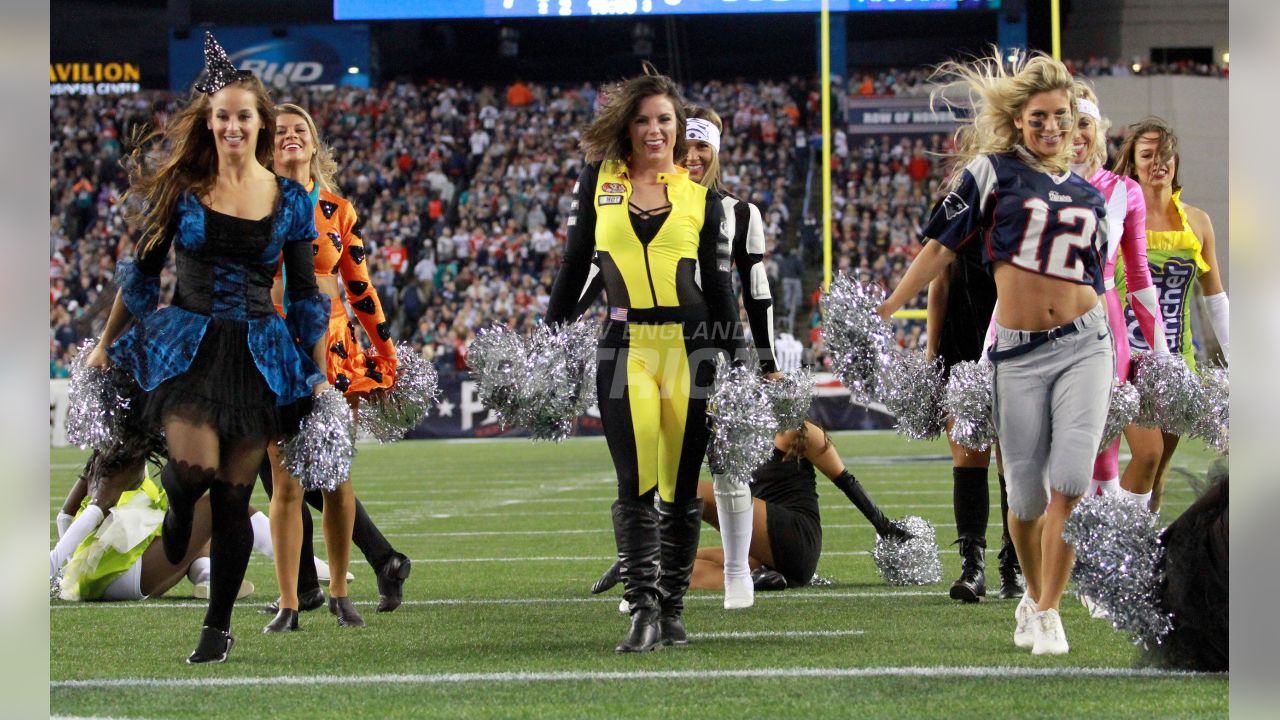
point(972, 584)
point(635, 528)
point(611, 577)
point(678, 527)
point(765, 579)
point(308, 600)
point(1010, 572)
point(181, 495)
point(286, 620)
point(391, 582)
point(346, 612)
point(214, 646)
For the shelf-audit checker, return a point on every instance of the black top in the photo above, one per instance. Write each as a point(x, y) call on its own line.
point(787, 483)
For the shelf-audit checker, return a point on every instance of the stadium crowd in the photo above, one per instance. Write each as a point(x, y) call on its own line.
point(462, 194)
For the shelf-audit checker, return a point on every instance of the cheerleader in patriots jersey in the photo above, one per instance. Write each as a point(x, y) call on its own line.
point(1180, 248)
point(1043, 229)
point(1126, 234)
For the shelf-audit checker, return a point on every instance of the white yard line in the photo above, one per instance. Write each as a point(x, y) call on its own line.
point(1003, 673)
point(610, 599)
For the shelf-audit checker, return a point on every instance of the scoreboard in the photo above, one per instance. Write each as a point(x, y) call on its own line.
point(428, 9)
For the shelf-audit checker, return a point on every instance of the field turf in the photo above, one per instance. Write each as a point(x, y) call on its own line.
point(506, 537)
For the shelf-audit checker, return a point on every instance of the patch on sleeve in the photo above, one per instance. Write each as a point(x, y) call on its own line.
point(954, 205)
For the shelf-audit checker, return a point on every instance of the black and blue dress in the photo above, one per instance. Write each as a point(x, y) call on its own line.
point(220, 355)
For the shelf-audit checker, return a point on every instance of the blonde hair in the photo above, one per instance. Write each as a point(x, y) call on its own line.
point(711, 173)
point(180, 157)
point(1097, 154)
point(995, 94)
point(608, 137)
point(323, 168)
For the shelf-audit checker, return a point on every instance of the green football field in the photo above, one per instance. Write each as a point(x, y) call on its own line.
point(506, 537)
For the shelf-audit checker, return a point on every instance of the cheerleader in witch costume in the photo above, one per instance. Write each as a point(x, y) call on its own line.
point(224, 373)
point(338, 252)
point(1180, 246)
point(1043, 230)
point(1126, 235)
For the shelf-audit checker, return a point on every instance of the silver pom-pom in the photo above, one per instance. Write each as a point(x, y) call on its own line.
point(742, 424)
point(1118, 555)
point(911, 390)
point(856, 338)
point(914, 561)
point(388, 415)
point(497, 361)
point(98, 403)
point(968, 400)
point(541, 383)
point(790, 397)
point(1214, 422)
point(1170, 392)
point(319, 456)
point(1120, 413)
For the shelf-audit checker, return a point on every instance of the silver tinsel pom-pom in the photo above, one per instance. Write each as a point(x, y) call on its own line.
point(911, 389)
point(541, 383)
point(97, 403)
point(1118, 555)
point(742, 424)
point(1120, 413)
point(968, 399)
point(856, 338)
point(914, 561)
point(390, 414)
point(790, 397)
point(319, 456)
point(1214, 423)
point(498, 364)
point(1171, 393)
point(554, 390)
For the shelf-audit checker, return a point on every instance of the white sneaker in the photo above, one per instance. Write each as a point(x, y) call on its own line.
point(1051, 639)
point(739, 592)
point(1024, 634)
point(1095, 610)
point(200, 591)
point(323, 574)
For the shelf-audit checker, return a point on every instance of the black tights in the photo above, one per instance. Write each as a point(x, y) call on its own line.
point(226, 468)
point(373, 544)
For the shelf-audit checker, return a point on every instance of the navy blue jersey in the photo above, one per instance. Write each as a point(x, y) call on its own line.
point(1055, 225)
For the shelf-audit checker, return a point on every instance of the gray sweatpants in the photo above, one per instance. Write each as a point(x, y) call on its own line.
point(1050, 406)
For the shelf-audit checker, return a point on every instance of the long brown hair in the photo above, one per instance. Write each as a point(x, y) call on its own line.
point(607, 137)
point(324, 169)
point(1166, 148)
point(181, 156)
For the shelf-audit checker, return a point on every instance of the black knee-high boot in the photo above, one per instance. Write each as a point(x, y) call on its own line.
point(678, 526)
point(229, 551)
point(635, 528)
point(972, 504)
point(183, 485)
point(1010, 570)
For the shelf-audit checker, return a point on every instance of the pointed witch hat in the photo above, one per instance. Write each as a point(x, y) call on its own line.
point(218, 69)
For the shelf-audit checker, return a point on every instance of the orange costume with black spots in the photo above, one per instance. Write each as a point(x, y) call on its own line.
point(339, 251)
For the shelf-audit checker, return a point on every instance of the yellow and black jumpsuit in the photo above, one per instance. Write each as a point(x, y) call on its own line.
point(655, 366)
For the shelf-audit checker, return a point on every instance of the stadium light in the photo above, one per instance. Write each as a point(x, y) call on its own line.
point(1226, 58)
point(353, 70)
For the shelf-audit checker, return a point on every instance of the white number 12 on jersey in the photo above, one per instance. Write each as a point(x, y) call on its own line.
point(1080, 226)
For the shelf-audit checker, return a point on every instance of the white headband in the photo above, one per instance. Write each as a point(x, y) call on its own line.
point(1088, 107)
point(699, 129)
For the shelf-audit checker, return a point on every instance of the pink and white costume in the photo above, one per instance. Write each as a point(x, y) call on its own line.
point(1127, 233)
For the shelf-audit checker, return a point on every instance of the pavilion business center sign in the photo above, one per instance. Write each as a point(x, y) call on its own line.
point(94, 78)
